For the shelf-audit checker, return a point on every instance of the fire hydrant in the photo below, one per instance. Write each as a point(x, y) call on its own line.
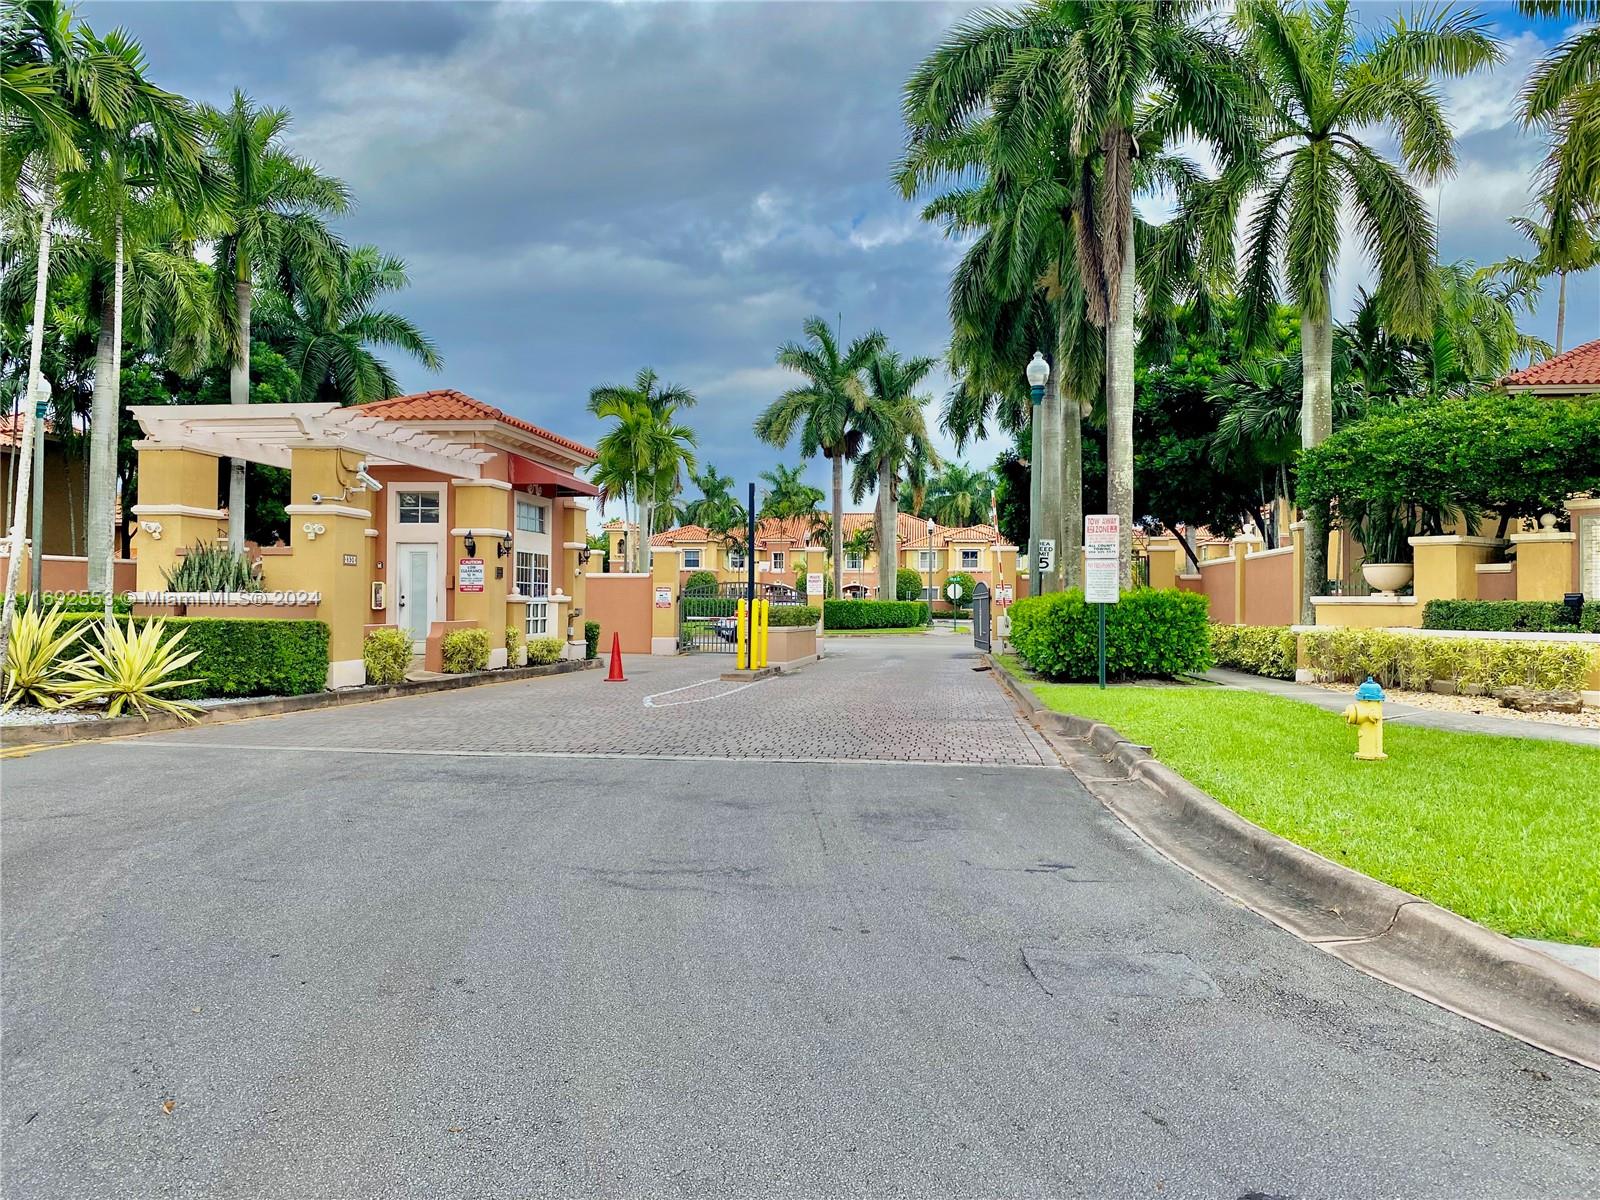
point(1366, 714)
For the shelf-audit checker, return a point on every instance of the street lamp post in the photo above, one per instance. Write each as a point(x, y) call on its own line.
point(1038, 375)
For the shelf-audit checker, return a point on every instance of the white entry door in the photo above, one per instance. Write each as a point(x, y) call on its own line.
point(419, 578)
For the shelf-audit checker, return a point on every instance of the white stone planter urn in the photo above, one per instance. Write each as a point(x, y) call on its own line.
point(1387, 578)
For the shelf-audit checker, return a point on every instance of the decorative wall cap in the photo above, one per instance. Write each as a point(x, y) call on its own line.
point(1577, 504)
point(1225, 561)
point(1247, 538)
point(498, 484)
point(328, 510)
point(1297, 524)
point(1367, 601)
point(370, 532)
point(177, 510)
point(479, 531)
point(1544, 535)
point(1493, 568)
point(574, 545)
point(1270, 553)
point(1455, 539)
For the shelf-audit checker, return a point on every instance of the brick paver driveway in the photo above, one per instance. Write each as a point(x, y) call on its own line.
point(890, 699)
point(843, 934)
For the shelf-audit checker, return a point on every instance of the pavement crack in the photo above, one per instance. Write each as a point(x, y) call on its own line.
point(1366, 937)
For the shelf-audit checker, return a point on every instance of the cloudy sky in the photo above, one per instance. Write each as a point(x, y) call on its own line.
point(581, 189)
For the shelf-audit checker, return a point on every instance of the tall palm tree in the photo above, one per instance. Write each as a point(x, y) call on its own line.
point(787, 494)
point(959, 495)
point(274, 230)
point(328, 341)
point(647, 451)
point(1325, 86)
point(896, 433)
point(1562, 98)
point(54, 87)
point(142, 178)
point(824, 410)
point(1100, 84)
point(1577, 253)
point(716, 510)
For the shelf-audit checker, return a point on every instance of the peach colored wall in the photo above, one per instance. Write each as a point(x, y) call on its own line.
point(622, 604)
point(1498, 585)
point(1269, 590)
point(1216, 582)
point(1190, 583)
point(71, 574)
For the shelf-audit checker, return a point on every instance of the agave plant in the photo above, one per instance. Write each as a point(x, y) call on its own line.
point(36, 666)
point(131, 667)
point(206, 568)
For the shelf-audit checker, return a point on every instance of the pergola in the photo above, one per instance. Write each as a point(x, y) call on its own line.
point(270, 433)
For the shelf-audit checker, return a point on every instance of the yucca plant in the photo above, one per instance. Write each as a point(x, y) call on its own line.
point(131, 666)
point(206, 568)
point(36, 663)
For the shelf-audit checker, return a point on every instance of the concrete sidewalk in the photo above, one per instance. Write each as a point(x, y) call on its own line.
point(1428, 718)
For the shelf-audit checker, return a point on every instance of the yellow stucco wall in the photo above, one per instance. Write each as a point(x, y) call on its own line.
point(1544, 564)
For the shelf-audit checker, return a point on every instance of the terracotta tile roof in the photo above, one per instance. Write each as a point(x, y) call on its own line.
point(1575, 368)
point(447, 404)
point(910, 532)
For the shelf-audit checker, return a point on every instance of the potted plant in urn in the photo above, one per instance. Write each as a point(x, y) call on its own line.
point(1385, 535)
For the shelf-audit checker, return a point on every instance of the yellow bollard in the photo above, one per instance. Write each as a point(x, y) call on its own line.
point(739, 638)
point(766, 617)
point(1366, 714)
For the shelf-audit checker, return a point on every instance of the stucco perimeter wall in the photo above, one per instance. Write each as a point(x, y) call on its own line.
point(1269, 588)
point(69, 573)
point(622, 605)
point(1216, 584)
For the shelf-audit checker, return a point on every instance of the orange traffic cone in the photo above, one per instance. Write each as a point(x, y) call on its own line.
point(616, 675)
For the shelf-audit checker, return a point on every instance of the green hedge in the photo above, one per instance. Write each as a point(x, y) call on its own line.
point(1149, 634)
point(907, 584)
point(792, 616)
point(249, 657)
point(77, 602)
point(1411, 661)
point(386, 654)
point(464, 650)
point(1259, 649)
point(701, 581)
point(591, 640)
point(873, 614)
point(1505, 616)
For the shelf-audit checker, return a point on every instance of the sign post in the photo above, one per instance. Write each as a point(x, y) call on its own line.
point(1101, 577)
point(953, 592)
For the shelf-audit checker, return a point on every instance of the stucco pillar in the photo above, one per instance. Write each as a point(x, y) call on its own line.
point(664, 600)
point(1446, 567)
point(1297, 531)
point(1241, 546)
point(1586, 524)
point(331, 553)
point(483, 512)
point(1544, 564)
point(177, 509)
point(574, 529)
point(1163, 563)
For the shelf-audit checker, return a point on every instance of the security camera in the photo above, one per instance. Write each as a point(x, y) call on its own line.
point(367, 481)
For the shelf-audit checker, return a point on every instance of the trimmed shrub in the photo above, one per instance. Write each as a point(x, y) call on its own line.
point(544, 649)
point(591, 640)
point(1499, 616)
point(966, 583)
point(1259, 649)
point(701, 581)
point(793, 616)
point(465, 650)
point(77, 602)
point(873, 614)
point(250, 657)
point(515, 644)
point(387, 655)
point(1412, 661)
point(1591, 618)
point(1149, 634)
point(907, 584)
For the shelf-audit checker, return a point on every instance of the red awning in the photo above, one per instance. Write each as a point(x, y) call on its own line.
point(525, 470)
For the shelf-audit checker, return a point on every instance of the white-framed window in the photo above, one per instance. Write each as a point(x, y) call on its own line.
point(538, 619)
point(735, 560)
point(777, 560)
point(691, 560)
point(969, 560)
point(930, 594)
point(927, 560)
point(418, 508)
point(853, 562)
point(531, 516)
point(524, 573)
point(533, 579)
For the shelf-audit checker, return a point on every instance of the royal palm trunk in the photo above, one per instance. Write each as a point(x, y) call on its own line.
point(239, 393)
point(1119, 408)
point(1316, 423)
point(887, 552)
point(1048, 462)
point(838, 522)
point(1072, 492)
point(102, 446)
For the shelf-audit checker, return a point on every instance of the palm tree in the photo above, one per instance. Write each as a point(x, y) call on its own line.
point(1324, 87)
point(787, 494)
point(824, 410)
point(896, 434)
point(274, 230)
point(647, 452)
point(716, 510)
point(1475, 339)
point(1579, 252)
point(328, 340)
point(960, 495)
point(142, 180)
point(1562, 98)
point(53, 88)
point(1097, 85)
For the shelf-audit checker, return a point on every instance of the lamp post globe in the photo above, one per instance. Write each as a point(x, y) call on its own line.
point(1038, 374)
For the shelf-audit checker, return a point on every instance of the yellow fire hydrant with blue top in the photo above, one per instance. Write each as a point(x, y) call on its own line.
point(1366, 714)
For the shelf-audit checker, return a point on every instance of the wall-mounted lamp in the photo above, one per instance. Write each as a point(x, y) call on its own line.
point(471, 544)
point(584, 555)
point(502, 547)
point(312, 529)
point(153, 528)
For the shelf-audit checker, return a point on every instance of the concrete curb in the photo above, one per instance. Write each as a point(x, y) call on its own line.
point(1389, 934)
point(19, 737)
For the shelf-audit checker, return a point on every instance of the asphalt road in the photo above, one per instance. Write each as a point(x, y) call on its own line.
point(439, 948)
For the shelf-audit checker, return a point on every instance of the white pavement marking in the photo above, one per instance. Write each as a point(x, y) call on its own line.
point(649, 701)
point(142, 743)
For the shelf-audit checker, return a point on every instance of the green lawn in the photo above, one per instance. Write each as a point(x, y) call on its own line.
point(1503, 830)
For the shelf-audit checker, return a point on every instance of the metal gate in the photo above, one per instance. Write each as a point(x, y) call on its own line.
point(708, 616)
point(980, 616)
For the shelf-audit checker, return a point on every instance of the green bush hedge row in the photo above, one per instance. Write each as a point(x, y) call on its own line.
point(244, 657)
point(1259, 649)
point(907, 584)
point(464, 650)
point(1149, 634)
point(545, 650)
point(792, 616)
point(386, 654)
point(76, 602)
point(1411, 661)
point(1511, 616)
point(873, 614)
point(591, 640)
